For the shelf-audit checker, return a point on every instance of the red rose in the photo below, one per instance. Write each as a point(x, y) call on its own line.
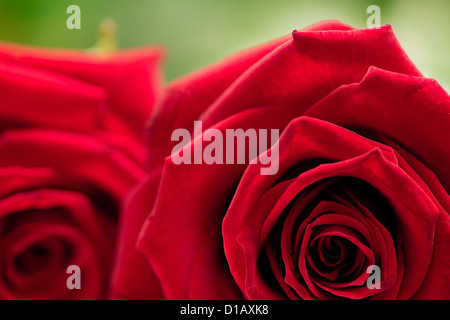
point(362, 178)
point(69, 154)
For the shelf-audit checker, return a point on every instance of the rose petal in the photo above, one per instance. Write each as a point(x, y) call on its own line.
point(125, 76)
point(133, 276)
point(188, 97)
point(26, 92)
point(304, 70)
point(185, 217)
point(75, 158)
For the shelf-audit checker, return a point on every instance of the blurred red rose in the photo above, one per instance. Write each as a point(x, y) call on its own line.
point(70, 151)
point(363, 178)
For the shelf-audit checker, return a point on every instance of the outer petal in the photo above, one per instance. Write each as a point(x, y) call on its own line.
point(187, 218)
point(187, 98)
point(133, 277)
point(436, 284)
point(412, 111)
point(130, 78)
point(81, 162)
point(31, 97)
point(310, 66)
point(296, 72)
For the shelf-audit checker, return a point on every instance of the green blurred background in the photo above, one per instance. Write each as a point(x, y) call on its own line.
point(199, 32)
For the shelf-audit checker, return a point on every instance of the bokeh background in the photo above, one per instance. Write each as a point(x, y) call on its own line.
point(199, 32)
